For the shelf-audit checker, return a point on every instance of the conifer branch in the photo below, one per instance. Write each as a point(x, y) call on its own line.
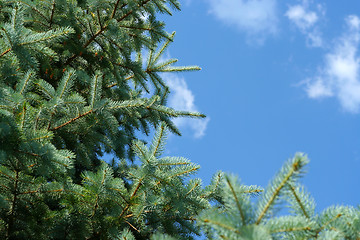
point(141, 151)
point(97, 195)
point(292, 229)
point(38, 138)
point(52, 34)
point(44, 89)
point(98, 15)
point(52, 13)
point(94, 92)
point(295, 166)
point(114, 84)
point(41, 23)
point(5, 52)
point(7, 175)
point(242, 215)
point(137, 188)
point(135, 27)
point(159, 140)
point(100, 31)
point(29, 153)
point(38, 191)
point(302, 207)
point(131, 197)
point(132, 226)
point(66, 82)
point(115, 8)
point(2, 185)
point(131, 11)
point(206, 220)
point(217, 184)
point(13, 205)
point(163, 47)
point(23, 115)
point(32, 165)
point(34, 9)
point(174, 164)
point(192, 189)
point(26, 81)
point(184, 172)
point(72, 120)
point(254, 191)
point(7, 36)
point(327, 223)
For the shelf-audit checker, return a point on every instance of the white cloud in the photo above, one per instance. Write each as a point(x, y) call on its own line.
point(181, 98)
point(354, 22)
point(317, 89)
point(306, 20)
point(255, 17)
point(302, 18)
point(340, 74)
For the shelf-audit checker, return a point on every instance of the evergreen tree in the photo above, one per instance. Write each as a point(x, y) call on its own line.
point(74, 86)
point(79, 79)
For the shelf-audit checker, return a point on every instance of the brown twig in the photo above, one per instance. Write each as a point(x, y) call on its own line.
point(72, 120)
point(8, 50)
point(52, 13)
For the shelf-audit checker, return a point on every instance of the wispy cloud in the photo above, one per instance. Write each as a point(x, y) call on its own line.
point(182, 98)
point(305, 19)
point(339, 76)
point(257, 18)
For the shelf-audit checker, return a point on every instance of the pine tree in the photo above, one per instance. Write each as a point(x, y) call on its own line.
point(74, 86)
point(80, 79)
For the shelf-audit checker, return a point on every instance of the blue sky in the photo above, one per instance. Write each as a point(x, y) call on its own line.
point(278, 77)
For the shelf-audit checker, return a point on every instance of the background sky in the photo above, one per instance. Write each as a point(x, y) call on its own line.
point(278, 77)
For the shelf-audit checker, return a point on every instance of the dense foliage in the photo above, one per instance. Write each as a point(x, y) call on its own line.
point(80, 79)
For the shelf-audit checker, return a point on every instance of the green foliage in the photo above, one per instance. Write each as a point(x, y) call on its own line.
point(235, 216)
point(80, 79)
point(72, 89)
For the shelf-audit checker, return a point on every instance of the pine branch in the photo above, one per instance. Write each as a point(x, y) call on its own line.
point(135, 27)
point(298, 200)
point(289, 171)
point(116, 7)
point(140, 150)
point(131, 11)
point(66, 82)
point(26, 80)
point(52, 13)
point(163, 48)
point(242, 215)
point(159, 139)
point(328, 223)
point(192, 189)
point(131, 197)
point(23, 113)
point(206, 220)
point(114, 84)
point(72, 120)
point(99, 20)
point(5, 52)
point(132, 226)
point(185, 172)
point(101, 30)
point(34, 9)
point(49, 35)
point(96, 205)
point(13, 205)
point(215, 186)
